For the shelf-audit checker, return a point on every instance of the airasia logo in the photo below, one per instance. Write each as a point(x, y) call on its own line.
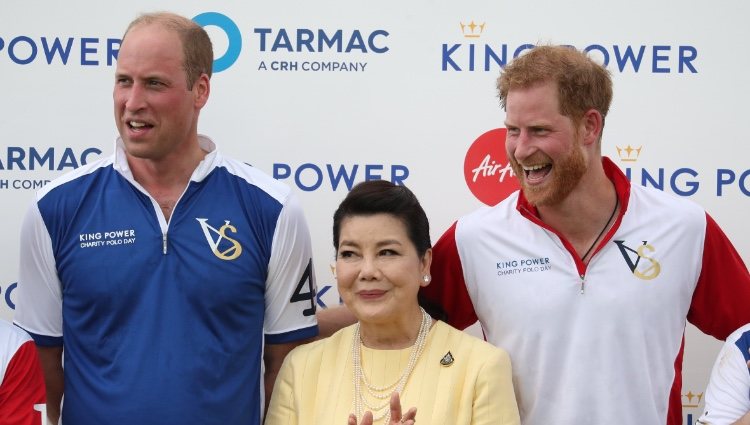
point(487, 170)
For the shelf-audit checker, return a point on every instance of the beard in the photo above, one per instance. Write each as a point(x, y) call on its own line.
point(567, 174)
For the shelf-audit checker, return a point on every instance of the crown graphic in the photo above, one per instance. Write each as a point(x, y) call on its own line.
point(629, 153)
point(472, 30)
point(690, 399)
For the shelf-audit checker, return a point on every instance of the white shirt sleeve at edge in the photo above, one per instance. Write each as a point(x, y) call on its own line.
point(39, 292)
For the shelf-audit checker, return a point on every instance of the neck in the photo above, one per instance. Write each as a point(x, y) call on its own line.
point(169, 171)
point(582, 215)
point(392, 336)
point(167, 177)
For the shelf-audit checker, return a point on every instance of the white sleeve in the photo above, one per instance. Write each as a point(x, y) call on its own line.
point(39, 292)
point(290, 286)
point(728, 392)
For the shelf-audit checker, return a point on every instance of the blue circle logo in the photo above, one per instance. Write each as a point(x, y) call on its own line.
point(8, 301)
point(232, 32)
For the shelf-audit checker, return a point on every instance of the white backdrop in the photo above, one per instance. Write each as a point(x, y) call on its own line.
point(409, 101)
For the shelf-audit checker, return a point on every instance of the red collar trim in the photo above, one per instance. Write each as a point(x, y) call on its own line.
point(622, 188)
point(613, 173)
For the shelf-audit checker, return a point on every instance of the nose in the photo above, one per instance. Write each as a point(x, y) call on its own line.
point(520, 145)
point(369, 270)
point(135, 98)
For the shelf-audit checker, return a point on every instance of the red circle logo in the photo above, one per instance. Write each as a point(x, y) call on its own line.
point(487, 170)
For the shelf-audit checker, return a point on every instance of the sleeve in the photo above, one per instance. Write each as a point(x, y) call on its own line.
point(722, 295)
point(290, 285)
point(281, 410)
point(728, 392)
point(446, 297)
point(494, 398)
point(39, 292)
point(22, 388)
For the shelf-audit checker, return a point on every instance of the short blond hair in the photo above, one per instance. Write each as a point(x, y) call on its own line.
point(197, 50)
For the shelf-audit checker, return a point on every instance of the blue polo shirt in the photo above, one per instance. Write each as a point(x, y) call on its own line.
point(165, 322)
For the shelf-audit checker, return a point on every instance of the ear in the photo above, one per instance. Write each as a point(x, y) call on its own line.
point(201, 89)
point(426, 261)
point(591, 126)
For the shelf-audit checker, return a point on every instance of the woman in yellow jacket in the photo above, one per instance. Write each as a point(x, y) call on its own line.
point(383, 255)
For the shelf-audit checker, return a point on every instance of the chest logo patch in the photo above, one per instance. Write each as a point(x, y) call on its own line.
point(647, 269)
point(223, 246)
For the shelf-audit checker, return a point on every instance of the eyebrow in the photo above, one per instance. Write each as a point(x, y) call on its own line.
point(379, 244)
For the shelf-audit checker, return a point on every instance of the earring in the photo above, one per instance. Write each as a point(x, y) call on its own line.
point(426, 278)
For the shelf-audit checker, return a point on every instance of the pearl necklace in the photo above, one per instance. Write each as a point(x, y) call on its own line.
point(384, 393)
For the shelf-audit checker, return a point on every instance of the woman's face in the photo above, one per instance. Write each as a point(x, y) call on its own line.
point(377, 268)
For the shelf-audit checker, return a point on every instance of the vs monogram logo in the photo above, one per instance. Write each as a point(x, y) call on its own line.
point(217, 247)
point(647, 271)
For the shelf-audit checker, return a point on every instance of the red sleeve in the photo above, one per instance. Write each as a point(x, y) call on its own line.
point(721, 301)
point(22, 388)
point(446, 296)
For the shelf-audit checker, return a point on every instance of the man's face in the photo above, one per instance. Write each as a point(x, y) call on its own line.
point(155, 112)
point(544, 147)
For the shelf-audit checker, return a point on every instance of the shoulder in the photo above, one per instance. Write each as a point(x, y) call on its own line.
point(739, 332)
point(740, 336)
point(255, 179)
point(11, 336)
point(647, 202)
point(485, 217)
point(314, 352)
point(67, 182)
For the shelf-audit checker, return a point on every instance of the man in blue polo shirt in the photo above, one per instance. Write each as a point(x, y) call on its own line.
point(171, 276)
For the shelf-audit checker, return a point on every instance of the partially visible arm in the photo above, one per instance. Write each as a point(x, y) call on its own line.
point(332, 319)
point(289, 318)
point(22, 394)
point(724, 283)
point(39, 303)
point(726, 397)
point(51, 361)
point(745, 420)
point(446, 297)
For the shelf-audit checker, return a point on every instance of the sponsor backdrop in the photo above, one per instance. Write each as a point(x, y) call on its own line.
point(325, 94)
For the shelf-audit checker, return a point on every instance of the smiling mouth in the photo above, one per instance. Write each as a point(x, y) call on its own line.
point(535, 173)
point(371, 293)
point(138, 125)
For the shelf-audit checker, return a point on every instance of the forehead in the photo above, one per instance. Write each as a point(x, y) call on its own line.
point(373, 227)
point(536, 100)
point(150, 45)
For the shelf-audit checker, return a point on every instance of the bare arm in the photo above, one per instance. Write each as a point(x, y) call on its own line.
point(51, 361)
point(332, 319)
point(745, 420)
point(273, 357)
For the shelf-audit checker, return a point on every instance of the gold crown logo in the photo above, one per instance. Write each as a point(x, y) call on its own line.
point(472, 30)
point(690, 399)
point(629, 153)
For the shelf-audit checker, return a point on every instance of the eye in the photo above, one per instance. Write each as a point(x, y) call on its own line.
point(122, 81)
point(541, 131)
point(512, 131)
point(155, 83)
point(387, 252)
point(345, 254)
